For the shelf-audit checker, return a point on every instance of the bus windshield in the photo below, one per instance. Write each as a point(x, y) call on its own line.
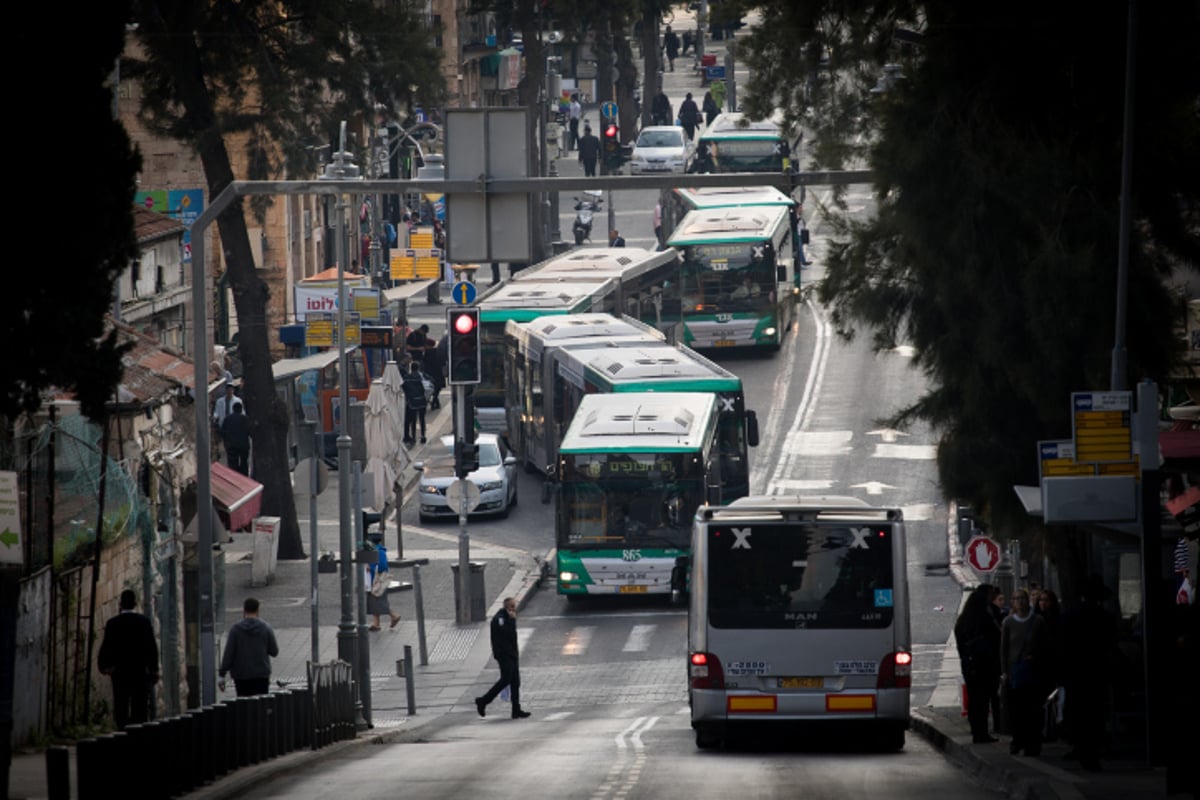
point(800, 576)
point(729, 277)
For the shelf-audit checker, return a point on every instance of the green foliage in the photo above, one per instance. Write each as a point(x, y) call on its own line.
point(997, 162)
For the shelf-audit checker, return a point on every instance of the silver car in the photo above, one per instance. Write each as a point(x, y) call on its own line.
point(496, 479)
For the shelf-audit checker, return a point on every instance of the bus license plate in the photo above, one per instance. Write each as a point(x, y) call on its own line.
point(633, 590)
point(801, 683)
point(724, 343)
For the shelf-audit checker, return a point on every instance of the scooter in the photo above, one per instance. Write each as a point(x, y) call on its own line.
point(585, 207)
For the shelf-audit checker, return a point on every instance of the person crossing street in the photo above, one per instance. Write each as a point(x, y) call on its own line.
point(504, 650)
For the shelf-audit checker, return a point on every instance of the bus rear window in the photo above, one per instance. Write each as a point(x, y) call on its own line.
point(800, 576)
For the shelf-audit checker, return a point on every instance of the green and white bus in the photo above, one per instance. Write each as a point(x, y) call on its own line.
point(547, 381)
point(798, 614)
point(740, 144)
point(632, 470)
point(676, 203)
point(740, 282)
point(643, 284)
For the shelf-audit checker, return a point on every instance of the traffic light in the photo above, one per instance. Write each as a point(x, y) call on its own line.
point(466, 458)
point(612, 145)
point(462, 326)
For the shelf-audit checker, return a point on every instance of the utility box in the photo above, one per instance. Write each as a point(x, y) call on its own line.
point(476, 588)
point(266, 550)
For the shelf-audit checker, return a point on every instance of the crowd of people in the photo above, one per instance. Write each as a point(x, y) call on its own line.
point(1024, 664)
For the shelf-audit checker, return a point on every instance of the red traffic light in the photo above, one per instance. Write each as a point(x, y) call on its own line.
point(464, 323)
point(611, 131)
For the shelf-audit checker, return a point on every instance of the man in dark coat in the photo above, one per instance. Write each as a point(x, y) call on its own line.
point(689, 116)
point(235, 430)
point(671, 45)
point(414, 404)
point(710, 109)
point(977, 637)
point(589, 151)
point(249, 648)
point(129, 655)
point(660, 109)
point(504, 650)
point(435, 368)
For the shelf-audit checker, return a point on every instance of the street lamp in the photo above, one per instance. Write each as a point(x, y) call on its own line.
point(341, 167)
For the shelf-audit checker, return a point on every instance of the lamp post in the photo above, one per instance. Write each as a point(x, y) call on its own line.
point(341, 168)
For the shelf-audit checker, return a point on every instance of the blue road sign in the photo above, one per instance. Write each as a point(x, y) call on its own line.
point(608, 109)
point(463, 293)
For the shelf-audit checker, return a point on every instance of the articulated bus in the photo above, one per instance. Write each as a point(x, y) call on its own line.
point(641, 283)
point(676, 203)
point(632, 470)
point(740, 283)
point(740, 144)
point(798, 614)
point(547, 383)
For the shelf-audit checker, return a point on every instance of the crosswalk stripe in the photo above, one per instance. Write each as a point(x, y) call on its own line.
point(639, 638)
point(523, 635)
point(577, 640)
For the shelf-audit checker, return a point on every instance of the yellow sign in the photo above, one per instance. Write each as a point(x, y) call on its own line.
point(318, 330)
point(1121, 468)
point(412, 264)
point(1102, 426)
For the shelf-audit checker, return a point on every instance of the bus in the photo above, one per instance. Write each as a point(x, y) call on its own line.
point(643, 284)
point(740, 282)
point(798, 613)
point(537, 420)
point(632, 470)
point(547, 383)
point(740, 144)
point(676, 203)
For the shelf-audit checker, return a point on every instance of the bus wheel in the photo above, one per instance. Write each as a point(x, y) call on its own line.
point(890, 738)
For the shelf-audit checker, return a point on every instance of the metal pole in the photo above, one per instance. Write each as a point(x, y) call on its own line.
point(419, 604)
point(1119, 355)
point(313, 545)
point(464, 541)
point(612, 213)
point(410, 694)
point(363, 674)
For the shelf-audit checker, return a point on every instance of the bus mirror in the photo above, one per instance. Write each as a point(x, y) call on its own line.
point(751, 428)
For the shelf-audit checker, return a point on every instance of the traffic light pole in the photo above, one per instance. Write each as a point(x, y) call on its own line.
point(463, 612)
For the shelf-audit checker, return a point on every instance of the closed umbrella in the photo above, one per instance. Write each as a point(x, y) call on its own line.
point(382, 443)
point(393, 384)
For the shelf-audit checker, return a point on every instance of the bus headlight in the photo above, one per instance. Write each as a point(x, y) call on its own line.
point(568, 577)
point(768, 331)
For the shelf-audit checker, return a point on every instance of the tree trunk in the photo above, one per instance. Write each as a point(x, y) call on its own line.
point(626, 83)
point(650, 17)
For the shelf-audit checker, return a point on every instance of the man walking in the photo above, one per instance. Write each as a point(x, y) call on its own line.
point(589, 151)
point(129, 655)
point(574, 114)
point(689, 116)
point(235, 430)
point(504, 650)
point(249, 647)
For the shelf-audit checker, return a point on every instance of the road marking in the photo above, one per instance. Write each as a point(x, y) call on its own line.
point(639, 638)
point(913, 452)
point(577, 640)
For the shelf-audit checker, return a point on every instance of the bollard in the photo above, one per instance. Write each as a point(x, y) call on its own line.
point(220, 750)
point(89, 763)
point(240, 735)
point(270, 732)
point(420, 609)
point(257, 732)
point(409, 689)
point(190, 739)
point(304, 724)
point(58, 773)
point(209, 743)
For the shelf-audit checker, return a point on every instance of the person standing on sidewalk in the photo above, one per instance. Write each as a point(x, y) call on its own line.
point(589, 151)
point(379, 604)
point(977, 637)
point(1025, 652)
point(249, 647)
point(504, 650)
point(129, 655)
point(689, 116)
point(235, 430)
point(574, 114)
point(415, 403)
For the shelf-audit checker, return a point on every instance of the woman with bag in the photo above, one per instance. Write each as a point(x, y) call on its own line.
point(1025, 654)
point(377, 598)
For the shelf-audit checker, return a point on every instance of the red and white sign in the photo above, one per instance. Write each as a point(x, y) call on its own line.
point(983, 553)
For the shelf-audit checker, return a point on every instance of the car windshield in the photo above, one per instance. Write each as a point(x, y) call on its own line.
point(660, 139)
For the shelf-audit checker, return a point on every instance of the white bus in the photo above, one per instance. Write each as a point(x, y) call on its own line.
point(798, 614)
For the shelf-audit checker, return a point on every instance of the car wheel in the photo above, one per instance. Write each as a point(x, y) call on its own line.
point(504, 511)
point(513, 502)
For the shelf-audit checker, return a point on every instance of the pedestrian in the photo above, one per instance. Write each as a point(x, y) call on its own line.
point(977, 637)
point(999, 611)
point(671, 45)
point(249, 647)
point(418, 343)
point(689, 116)
point(1089, 657)
point(589, 151)
point(1024, 652)
point(687, 43)
point(504, 650)
point(718, 92)
point(660, 109)
point(378, 604)
point(235, 430)
point(710, 109)
point(435, 368)
point(414, 404)
point(658, 237)
point(615, 239)
point(224, 405)
point(129, 656)
point(574, 114)
point(495, 272)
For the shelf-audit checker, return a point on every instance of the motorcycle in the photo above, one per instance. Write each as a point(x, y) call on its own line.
point(585, 208)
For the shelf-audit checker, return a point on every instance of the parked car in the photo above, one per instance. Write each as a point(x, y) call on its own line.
point(660, 148)
point(496, 479)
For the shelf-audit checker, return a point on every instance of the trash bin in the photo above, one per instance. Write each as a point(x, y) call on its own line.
point(476, 588)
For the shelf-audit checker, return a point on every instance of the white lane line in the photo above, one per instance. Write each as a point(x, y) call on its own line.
point(639, 638)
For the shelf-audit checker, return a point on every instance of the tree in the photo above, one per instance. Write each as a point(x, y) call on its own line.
point(278, 76)
point(996, 146)
point(55, 328)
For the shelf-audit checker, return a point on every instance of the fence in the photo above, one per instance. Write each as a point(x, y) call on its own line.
point(170, 757)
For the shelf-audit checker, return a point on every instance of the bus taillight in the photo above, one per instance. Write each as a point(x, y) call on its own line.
point(706, 672)
point(895, 672)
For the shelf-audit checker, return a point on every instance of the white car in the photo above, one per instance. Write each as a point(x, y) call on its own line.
point(496, 479)
point(660, 148)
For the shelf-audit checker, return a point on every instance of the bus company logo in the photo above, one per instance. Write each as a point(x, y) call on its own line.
point(724, 317)
point(631, 555)
point(594, 469)
point(741, 540)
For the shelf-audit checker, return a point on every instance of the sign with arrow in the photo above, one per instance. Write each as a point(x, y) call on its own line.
point(983, 554)
point(11, 551)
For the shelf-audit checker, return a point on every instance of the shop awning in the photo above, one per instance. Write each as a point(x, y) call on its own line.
point(291, 367)
point(237, 498)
